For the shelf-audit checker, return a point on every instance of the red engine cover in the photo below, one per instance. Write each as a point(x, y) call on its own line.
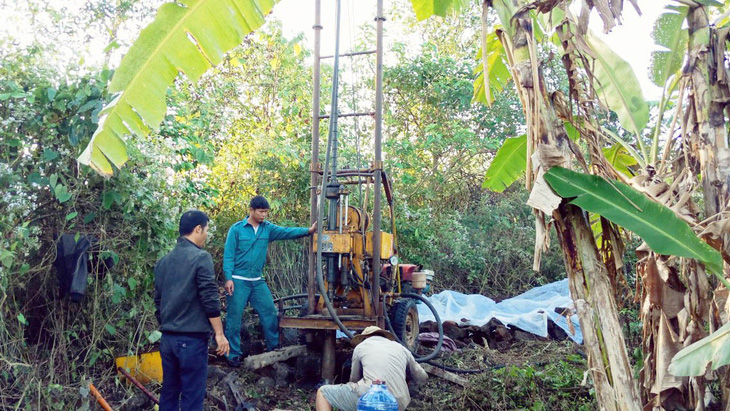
point(406, 271)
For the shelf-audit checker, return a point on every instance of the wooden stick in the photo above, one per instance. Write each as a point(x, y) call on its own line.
point(448, 376)
point(254, 362)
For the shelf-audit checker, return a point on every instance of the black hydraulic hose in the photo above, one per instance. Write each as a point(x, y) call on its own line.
point(460, 371)
point(428, 359)
point(293, 297)
point(440, 341)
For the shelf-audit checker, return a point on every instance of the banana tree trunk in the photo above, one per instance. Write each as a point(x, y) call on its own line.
point(588, 276)
point(594, 298)
point(706, 125)
point(708, 98)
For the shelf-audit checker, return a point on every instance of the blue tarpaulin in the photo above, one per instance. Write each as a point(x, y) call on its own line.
point(529, 311)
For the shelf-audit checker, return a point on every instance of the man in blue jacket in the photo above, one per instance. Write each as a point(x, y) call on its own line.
point(187, 308)
point(243, 262)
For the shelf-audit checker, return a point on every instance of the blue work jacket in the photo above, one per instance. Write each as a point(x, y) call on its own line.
point(245, 251)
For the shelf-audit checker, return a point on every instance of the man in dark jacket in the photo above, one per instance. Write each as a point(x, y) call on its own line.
point(188, 308)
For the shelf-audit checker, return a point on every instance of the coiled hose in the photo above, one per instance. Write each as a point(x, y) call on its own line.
point(428, 358)
point(440, 341)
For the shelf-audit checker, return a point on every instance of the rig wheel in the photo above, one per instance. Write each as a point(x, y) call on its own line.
point(404, 320)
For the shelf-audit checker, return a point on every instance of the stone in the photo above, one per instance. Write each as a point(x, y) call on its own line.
point(216, 373)
point(455, 332)
point(283, 374)
point(265, 382)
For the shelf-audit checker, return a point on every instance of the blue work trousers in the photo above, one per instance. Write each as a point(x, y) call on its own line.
point(258, 293)
point(184, 372)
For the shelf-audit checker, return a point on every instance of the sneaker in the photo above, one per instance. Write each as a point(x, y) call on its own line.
point(234, 362)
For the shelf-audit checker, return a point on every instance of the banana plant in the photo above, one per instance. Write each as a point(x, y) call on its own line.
point(711, 352)
point(597, 72)
point(508, 164)
point(188, 37)
point(656, 224)
point(618, 88)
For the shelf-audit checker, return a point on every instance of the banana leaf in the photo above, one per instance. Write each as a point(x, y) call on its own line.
point(187, 36)
point(693, 360)
point(497, 72)
point(618, 87)
point(620, 159)
point(656, 224)
point(669, 34)
point(508, 165)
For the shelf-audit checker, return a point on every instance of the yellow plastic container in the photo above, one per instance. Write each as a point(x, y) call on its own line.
point(143, 367)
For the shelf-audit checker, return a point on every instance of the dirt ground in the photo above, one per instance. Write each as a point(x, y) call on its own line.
point(527, 370)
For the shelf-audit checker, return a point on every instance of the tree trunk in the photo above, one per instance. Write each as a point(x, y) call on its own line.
point(593, 294)
point(590, 284)
point(707, 98)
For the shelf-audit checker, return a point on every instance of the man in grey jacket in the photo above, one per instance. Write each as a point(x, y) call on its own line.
point(188, 308)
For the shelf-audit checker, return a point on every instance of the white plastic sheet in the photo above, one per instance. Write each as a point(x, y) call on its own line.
point(529, 311)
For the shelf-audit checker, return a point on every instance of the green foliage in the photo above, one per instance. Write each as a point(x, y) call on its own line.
point(188, 36)
point(46, 119)
point(712, 351)
point(242, 129)
point(438, 142)
point(668, 33)
point(262, 148)
point(508, 165)
point(633, 332)
point(498, 74)
point(662, 230)
point(618, 87)
point(427, 8)
point(620, 159)
point(553, 386)
point(486, 249)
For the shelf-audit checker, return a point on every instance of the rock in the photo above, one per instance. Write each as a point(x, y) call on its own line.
point(503, 333)
point(265, 382)
point(525, 336)
point(429, 326)
point(257, 347)
point(491, 325)
point(139, 402)
point(556, 332)
point(291, 336)
point(216, 373)
point(498, 336)
point(283, 374)
point(455, 332)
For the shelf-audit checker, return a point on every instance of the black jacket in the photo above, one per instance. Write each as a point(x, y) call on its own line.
point(186, 294)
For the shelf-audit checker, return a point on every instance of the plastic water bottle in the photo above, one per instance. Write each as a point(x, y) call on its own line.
point(378, 398)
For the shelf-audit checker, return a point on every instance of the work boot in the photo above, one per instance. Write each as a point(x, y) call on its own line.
point(234, 362)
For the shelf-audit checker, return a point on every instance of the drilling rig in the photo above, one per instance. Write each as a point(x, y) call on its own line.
point(355, 278)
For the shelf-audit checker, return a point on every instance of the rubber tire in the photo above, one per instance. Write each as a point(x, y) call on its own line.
point(403, 316)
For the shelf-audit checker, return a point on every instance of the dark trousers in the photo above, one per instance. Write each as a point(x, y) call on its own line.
point(184, 372)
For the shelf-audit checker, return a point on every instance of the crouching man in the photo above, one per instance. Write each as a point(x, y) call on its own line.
point(377, 356)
